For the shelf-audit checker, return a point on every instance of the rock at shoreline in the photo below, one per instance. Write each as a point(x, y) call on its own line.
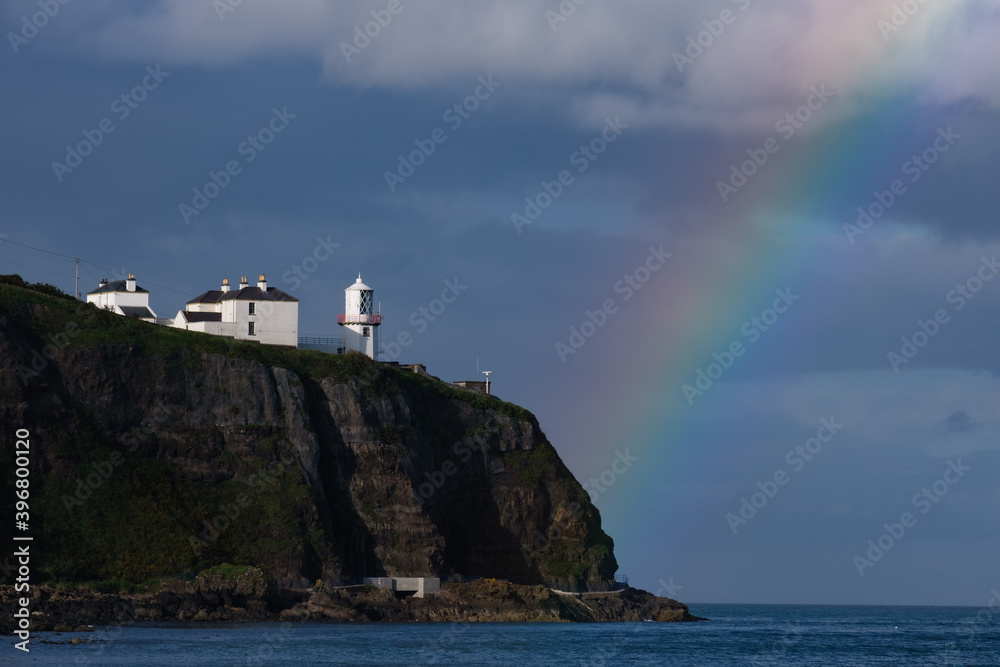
point(157, 453)
point(212, 599)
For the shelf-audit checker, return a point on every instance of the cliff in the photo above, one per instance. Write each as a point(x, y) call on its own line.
point(160, 453)
point(242, 594)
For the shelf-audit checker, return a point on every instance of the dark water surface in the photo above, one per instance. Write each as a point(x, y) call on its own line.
point(736, 635)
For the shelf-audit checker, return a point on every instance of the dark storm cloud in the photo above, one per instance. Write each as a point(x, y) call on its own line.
point(345, 123)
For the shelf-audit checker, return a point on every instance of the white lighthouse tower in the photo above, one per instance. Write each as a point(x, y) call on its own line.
point(360, 322)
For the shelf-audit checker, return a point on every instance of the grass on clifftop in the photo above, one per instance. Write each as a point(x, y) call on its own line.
point(117, 545)
point(50, 313)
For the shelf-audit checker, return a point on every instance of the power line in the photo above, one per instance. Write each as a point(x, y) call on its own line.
point(91, 274)
point(25, 266)
point(147, 282)
point(38, 249)
point(83, 261)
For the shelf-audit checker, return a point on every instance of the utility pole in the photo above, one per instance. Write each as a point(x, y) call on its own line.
point(77, 278)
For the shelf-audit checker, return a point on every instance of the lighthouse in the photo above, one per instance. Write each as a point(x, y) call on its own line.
point(359, 321)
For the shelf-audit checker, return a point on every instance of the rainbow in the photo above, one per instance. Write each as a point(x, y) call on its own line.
point(697, 307)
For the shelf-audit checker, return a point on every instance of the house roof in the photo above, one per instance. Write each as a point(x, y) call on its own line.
point(252, 293)
point(255, 293)
point(202, 317)
point(211, 296)
point(115, 286)
point(137, 311)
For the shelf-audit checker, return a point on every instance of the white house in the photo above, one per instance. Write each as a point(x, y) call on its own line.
point(360, 323)
point(123, 297)
point(262, 314)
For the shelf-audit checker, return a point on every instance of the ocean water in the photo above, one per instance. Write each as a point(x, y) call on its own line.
point(736, 635)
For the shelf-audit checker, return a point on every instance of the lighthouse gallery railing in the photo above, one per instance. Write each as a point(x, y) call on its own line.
point(359, 319)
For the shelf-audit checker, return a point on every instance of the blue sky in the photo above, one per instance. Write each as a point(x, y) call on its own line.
point(200, 78)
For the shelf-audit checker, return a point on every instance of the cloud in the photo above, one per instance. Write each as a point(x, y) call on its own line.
point(626, 56)
point(959, 422)
point(966, 66)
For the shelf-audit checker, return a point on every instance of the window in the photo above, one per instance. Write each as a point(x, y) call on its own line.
point(253, 309)
point(367, 305)
point(366, 331)
point(250, 331)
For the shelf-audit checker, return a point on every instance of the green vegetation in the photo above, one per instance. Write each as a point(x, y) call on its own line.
point(530, 465)
point(154, 535)
point(178, 521)
point(480, 401)
point(227, 571)
point(391, 435)
point(557, 566)
point(106, 586)
point(170, 525)
point(43, 288)
point(85, 325)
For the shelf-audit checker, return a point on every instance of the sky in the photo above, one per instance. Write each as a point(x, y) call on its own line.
point(737, 255)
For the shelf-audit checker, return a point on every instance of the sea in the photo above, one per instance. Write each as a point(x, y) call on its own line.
point(736, 635)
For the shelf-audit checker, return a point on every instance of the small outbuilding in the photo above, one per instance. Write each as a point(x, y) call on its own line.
point(123, 297)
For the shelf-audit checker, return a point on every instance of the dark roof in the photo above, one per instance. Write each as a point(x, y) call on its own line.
point(202, 317)
point(114, 286)
point(211, 296)
point(137, 311)
point(255, 293)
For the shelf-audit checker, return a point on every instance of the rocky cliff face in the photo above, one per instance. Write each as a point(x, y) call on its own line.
point(157, 452)
point(215, 597)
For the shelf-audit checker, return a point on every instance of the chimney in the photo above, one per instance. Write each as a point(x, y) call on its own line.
point(104, 281)
point(225, 284)
point(262, 283)
point(130, 283)
point(243, 283)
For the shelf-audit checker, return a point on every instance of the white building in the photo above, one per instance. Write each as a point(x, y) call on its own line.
point(262, 314)
point(359, 323)
point(123, 297)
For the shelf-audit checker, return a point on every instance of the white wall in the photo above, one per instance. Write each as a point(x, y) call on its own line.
point(204, 307)
point(352, 339)
point(112, 299)
point(275, 322)
point(214, 328)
